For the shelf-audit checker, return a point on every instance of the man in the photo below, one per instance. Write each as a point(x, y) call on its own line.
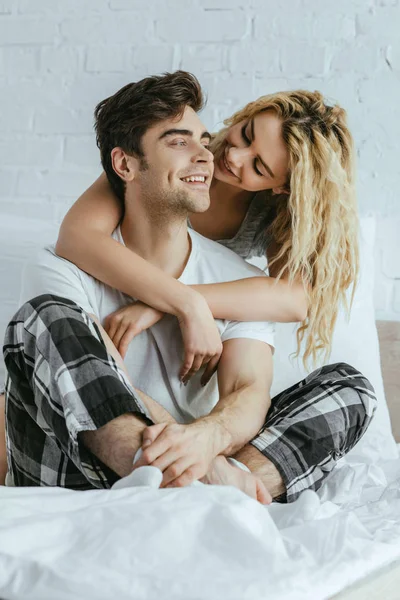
point(74, 418)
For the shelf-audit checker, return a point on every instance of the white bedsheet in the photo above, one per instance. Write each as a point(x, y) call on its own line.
point(200, 542)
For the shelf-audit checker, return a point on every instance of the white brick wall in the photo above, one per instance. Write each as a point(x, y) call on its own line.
point(58, 58)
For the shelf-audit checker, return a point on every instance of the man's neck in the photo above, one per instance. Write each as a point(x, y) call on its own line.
point(163, 242)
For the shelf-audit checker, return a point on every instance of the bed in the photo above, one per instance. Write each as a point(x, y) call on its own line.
point(384, 582)
point(210, 542)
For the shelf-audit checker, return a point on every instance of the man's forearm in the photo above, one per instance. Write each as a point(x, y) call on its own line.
point(238, 417)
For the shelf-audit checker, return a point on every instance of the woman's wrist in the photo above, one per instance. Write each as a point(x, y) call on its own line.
point(188, 304)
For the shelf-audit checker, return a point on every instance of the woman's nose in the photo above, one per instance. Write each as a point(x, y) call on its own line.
point(237, 156)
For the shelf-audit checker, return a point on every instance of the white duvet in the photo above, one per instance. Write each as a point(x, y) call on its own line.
point(198, 543)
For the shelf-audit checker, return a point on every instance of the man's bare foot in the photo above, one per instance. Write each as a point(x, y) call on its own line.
point(262, 468)
point(221, 472)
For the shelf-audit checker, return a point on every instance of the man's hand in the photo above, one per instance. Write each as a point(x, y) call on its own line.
point(182, 452)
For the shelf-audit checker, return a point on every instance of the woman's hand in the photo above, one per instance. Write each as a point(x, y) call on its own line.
point(127, 322)
point(201, 340)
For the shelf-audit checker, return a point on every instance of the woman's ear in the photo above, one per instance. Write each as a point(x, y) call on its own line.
point(124, 165)
point(280, 190)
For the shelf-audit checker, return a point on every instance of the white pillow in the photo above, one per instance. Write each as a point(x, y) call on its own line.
point(355, 342)
point(19, 239)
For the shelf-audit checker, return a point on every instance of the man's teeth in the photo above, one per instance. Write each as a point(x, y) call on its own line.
point(194, 178)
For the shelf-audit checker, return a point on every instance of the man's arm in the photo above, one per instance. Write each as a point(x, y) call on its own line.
point(244, 381)
point(184, 452)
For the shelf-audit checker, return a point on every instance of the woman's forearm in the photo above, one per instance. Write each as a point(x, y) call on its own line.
point(252, 299)
point(256, 299)
point(126, 271)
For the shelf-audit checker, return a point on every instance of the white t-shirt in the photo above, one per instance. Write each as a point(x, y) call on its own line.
point(154, 358)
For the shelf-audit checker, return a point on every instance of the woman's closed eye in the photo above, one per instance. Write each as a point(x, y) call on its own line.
point(244, 134)
point(257, 170)
point(248, 142)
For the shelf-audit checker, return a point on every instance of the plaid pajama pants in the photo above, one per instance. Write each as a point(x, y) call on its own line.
point(61, 381)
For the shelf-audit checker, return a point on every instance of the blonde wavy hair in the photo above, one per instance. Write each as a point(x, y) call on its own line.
point(316, 223)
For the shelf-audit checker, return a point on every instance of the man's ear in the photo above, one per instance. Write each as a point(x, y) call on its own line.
point(124, 165)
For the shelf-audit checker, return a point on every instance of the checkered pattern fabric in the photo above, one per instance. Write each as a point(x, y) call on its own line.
point(314, 423)
point(61, 381)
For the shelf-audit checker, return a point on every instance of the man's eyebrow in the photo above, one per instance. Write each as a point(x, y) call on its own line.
point(266, 167)
point(186, 132)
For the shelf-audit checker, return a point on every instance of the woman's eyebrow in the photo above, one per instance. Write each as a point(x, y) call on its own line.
point(185, 132)
point(266, 167)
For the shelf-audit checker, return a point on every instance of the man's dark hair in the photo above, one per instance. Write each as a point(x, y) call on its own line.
point(122, 119)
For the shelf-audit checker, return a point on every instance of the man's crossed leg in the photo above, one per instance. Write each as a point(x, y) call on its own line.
point(74, 419)
point(114, 442)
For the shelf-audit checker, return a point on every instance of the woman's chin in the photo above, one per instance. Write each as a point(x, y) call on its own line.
point(223, 177)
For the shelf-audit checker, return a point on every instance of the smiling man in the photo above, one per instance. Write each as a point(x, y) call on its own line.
point(74, 418)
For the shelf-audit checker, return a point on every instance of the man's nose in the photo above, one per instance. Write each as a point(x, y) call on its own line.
point(203, 154)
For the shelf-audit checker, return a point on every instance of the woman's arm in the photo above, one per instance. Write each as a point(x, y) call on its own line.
point(256, 299)
point(85, 239)
point(259, 298)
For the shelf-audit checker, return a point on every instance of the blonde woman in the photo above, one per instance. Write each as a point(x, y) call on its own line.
point(283, 187)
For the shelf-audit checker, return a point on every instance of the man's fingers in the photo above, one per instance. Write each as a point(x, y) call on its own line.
point(170, 458)
point(174, 470)
point(151, 452)
point(151, 433)
point(149, 436)
point(188, 476)
point(210, 370)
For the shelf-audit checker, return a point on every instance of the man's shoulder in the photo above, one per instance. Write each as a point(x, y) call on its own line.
point(45, 254)
point(219, 256)
point(47, 273)
point(47, 257)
